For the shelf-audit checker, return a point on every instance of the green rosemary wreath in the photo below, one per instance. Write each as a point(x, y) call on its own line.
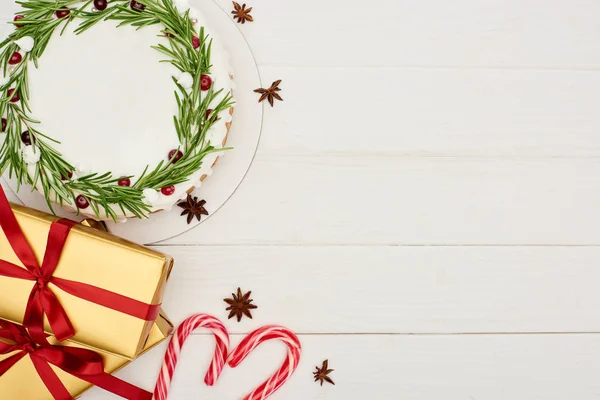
point(188, 51)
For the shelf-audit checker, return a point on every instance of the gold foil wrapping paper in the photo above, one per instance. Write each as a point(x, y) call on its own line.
point(22, 382)
point(99, 259)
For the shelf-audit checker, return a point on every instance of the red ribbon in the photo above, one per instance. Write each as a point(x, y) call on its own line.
point(42, 301)
point(84, 364)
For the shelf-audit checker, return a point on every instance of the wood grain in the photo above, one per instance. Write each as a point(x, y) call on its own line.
point(331, 200)
point(387, 289)
point(459, 367)
point(464, 33)
point(425, 112)
point(531, 34)
point(427, 191)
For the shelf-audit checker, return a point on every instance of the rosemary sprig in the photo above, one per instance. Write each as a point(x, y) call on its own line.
point(101, 190)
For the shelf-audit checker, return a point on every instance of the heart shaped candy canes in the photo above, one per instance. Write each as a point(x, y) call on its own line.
point(174, 349)
point(246, 346)
point(252, 341)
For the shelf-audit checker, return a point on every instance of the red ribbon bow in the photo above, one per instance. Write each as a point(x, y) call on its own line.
point(41, 300)
point(84, 364)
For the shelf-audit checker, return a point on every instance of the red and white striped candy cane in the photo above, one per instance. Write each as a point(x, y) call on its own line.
point(174, 349)
point(253, 340)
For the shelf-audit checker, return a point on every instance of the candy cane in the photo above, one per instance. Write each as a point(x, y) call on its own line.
point(174, 349)
point(253, 340)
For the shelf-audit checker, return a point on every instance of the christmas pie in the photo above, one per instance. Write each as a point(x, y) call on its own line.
point(113, 108)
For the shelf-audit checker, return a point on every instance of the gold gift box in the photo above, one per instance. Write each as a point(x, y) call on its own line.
point(22, 382)
point(96, 258)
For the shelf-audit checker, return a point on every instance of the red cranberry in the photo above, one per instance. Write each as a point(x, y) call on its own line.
point(4, 122)
point(63, 12)
point(195, 42)
point(211, 118)
point(15, 98)
point(26, 138)
point(168, 34)
point(82, 202)
point(15, 58)
point(69, 176)
point(175, 155)
point(124, 182)
point(18, 17)
point(168, 190)
point(100, 4)
point(205, 82)
point(136, 6)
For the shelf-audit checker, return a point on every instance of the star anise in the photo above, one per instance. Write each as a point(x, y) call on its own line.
point(241, 13)
point(271, 93)
point(193, 208)
point(240, 305)
point(322, 373)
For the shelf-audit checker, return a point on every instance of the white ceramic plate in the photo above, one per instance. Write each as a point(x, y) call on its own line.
point(231, 168)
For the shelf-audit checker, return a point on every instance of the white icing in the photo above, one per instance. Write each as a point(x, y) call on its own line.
point(26, 43)
point(81, 170)
point(150, 197)
point(31, 154)
point(144, 127)
point(186, 80)
point(195, 16)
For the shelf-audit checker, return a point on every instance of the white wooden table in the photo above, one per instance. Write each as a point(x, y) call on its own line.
point(424, 208)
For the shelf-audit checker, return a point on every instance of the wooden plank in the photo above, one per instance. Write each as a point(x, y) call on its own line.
point(463, 33)
point(388, 289)
point(435, 110)
point(491, 367)
point(391, 200)
point(431, 112)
